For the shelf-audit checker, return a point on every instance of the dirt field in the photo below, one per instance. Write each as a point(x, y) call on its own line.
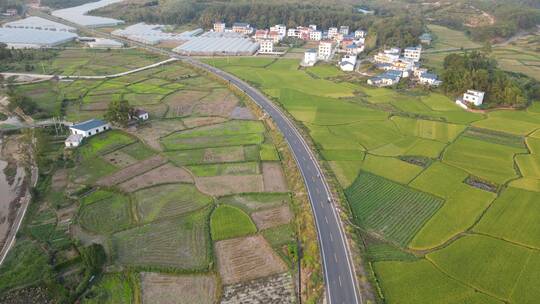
point(170, 289)
point(131, 171)
point(167, 173)
point(229, 184)
point(242, 113)
point(193, 122)
point(272, 217)
point(244, 259)
point(119, 159)
point(219, 103)
point(59, 179)
point(277, 289)
point(157, 129)
point(182, 102)
point(274, 181)
point(222, 155)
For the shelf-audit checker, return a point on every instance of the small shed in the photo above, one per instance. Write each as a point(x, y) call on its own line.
point(140, 114)
point(73, 140)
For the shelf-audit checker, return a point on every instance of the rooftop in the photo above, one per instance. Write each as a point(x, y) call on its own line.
point(33, 36)
point(88, 125)
point(77, 14)
point(218, 43)
point(39, 23)
point(153, 33)
point(429, 76)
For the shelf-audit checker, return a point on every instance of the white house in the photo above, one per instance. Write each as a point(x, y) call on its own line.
point(315, 35)
point(73, 140)
point(219, 27)
point(347, 63)
point(280, 29)
point(388, 56)
point(266, 46)
point(332, 32)
point(344, 30)
point(385, 79)
point(429, 79)
point(413, 53)
point(141, 114)
point(359, 34)
point(310, 58)
point(292, 32)
point(325, 50)
point(474, 97)
point(354, 49)
point(242, 28)
point(89, 127)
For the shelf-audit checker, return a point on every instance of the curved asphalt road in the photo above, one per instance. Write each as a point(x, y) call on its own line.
point(338, 270)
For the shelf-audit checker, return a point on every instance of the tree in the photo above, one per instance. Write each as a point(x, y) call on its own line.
point(119, 112)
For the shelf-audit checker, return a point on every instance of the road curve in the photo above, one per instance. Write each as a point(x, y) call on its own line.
point(339, 274)
point(338, 269)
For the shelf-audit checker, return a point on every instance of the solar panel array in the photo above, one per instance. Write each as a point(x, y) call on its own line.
point(78, 15)
point(218, 43)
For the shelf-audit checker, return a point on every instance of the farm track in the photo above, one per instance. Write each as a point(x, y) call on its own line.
point(338, 269)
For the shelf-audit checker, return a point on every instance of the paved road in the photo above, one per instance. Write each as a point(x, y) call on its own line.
point(338, 269)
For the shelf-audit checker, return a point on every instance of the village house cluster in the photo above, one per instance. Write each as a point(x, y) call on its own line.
point(398, 64)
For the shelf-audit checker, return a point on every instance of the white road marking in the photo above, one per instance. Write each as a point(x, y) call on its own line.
point(339, 278)
point(335, 258)
point(326, 219)
point(331, 237)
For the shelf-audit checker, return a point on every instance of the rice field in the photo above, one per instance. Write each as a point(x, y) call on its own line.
point(229, 222)
point(391, 210)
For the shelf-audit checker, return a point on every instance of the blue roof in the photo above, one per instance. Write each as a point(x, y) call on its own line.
point(89, 124)
point(429, 76)
point(425, 36)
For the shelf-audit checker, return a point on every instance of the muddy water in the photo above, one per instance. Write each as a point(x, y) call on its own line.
point(8, 193)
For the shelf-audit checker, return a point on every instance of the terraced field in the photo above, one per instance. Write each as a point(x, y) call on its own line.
point(158, 196)
point(445, 200)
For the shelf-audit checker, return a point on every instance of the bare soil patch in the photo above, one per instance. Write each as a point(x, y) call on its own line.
point(229, 184)
point(165, 174)
point(59, 179)
point(278, 289)
point(242, 113)
point(219, 103)
point(272, 217)
point(151, 133)
point(132, 171)
point(170, 289)
point(274, 180)
point(182, 102)
point(95, 106)
point(217, 155)
point(119, 159)
point(244, 259)
point(194, 122)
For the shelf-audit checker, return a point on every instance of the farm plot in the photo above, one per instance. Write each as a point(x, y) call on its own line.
point(266, 290)
point(207, 155)
point(119, 159)
point(178, 242)
point(516, 208)
point(132, 171)
point(489, 265)
point(273, 178)
point(256, 201)
point(228, 222)
point(112, 289)
point(168, 289)
point(107, 215)
point(391, 210)
point(420, 282)
point(434, 130)
point(246, 168)
point(168, 201)
point(477, 157)
point(245, 259)
point(529, 164)
point(463, 204)
point(181, 103)
point(513, 122)
point(272, 217)
point(164, 174)
point(230, 184)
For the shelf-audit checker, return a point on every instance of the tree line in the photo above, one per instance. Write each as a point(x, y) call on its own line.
point(477, 71)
